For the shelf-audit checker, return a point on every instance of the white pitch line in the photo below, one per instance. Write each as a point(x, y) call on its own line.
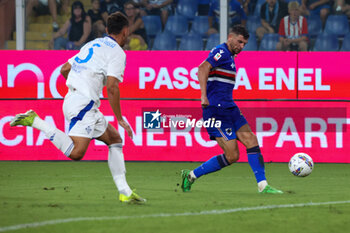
point(163, 215)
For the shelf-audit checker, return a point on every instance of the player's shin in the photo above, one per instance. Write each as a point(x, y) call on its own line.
point(212, 165)
point(256, 162)
point(61, 140)
point(117, 166)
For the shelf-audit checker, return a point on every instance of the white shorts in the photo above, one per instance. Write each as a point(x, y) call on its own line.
point(85, 120)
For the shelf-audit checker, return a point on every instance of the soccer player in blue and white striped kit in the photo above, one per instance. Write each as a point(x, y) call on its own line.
point(216, 77)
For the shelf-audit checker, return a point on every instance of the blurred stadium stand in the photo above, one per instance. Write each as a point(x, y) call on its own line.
point(152, 24)
point(200, 25)
point(212, 41)
point(187, 8)
point(177, 24)
point(337, 25)
point(165, 41)
point(269, 42)
point(191, 41)
point(39, 30)
point(314, 25)
point(346, 43)
point(182, 21)
point(253, 22)
point(252, 44)
point(7, 20)
point(326, 42)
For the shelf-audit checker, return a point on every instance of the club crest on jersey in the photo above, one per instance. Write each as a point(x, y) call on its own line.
point(217, 56)
point(88, 129)
point(228, 131)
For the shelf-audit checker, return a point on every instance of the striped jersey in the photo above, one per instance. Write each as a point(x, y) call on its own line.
point(222, 76)
point(293, 30)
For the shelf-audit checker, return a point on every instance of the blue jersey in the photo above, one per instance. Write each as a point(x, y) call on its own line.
point(222, 77)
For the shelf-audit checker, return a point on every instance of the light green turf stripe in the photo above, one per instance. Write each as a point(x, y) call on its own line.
point(160, 215)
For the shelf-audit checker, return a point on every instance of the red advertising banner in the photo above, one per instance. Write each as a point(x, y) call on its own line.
point(173, 74)
point(329, 78)
point(320, 129)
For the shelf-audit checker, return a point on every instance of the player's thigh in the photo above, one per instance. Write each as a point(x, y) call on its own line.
point(247, 137)
point(81, 144)
point(230, 148)
point(110, 136)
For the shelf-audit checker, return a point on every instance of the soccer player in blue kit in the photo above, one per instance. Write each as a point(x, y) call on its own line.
point(216, 77)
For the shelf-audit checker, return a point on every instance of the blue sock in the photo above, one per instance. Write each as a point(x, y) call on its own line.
point(256, 162)
point(212, 165)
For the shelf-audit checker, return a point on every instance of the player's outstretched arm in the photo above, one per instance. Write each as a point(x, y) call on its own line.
point(65, 70)
point(203, 73)
point(114, 100)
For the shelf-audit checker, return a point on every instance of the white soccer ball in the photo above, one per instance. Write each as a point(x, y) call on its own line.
point(301, 165)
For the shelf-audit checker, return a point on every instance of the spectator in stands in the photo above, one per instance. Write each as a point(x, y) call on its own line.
point(245, 5)
point(97, 22)
point(271, 13)
point(158, 7)
point(64, 6)
point(137, 33)
point(316, 7)
point(236, 14)
point(342, 7)
point(78, 28)
point(110, 6)
point(42, 7)
point(293, 30)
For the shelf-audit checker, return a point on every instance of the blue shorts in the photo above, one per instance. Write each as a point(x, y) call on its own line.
point(231, 121)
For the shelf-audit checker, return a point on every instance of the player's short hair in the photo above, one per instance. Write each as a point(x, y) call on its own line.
point(116, 22)
point(240, 30)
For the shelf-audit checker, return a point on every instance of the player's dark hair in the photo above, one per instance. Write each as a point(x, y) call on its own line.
point(240, 30)
point(116, 22)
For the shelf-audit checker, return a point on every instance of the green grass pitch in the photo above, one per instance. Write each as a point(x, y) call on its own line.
point(81, 197)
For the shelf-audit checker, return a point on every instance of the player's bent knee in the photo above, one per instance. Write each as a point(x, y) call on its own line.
point(232, 157)
point(249, 140)
point(115, 138)
point(76, 155)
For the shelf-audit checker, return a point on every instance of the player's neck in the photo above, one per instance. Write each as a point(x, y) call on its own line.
point(117, 38)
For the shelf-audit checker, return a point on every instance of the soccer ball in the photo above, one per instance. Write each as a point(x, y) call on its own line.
point(301, 165)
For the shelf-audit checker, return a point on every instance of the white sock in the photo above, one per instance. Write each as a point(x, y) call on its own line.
point(192, 176)
point(61, 140)
point(261, 185)
point(117, 166)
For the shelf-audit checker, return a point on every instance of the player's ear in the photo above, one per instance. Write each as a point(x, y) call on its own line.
point(230, 35)
point(126, 31)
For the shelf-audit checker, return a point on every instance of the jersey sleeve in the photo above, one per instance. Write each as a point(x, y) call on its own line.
point(281, 30)
point(116, 67)
point(304, 27)
point(217, 57)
